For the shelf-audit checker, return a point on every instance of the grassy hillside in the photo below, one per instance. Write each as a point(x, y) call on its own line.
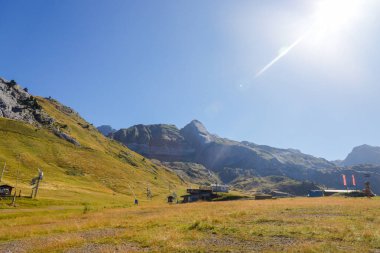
point(276, 183)
point(97, 171)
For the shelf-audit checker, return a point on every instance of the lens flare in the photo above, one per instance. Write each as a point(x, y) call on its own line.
point(329, 17)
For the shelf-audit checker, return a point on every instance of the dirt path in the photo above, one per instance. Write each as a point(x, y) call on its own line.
point(72, 242)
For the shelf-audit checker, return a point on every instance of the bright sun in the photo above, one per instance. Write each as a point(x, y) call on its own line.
point(330, 18)
point(332, 15)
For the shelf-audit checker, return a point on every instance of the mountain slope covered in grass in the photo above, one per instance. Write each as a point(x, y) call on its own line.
point(91, 169)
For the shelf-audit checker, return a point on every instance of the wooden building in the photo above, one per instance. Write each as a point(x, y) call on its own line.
point(198, 194)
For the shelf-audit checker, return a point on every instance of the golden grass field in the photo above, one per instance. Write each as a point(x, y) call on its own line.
point(329, 224)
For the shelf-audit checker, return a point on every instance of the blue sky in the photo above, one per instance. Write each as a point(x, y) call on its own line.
point(127, 62)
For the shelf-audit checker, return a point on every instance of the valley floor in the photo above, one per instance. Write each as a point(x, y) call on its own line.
point(283, 225)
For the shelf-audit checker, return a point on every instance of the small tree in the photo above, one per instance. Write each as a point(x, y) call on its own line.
point(12, 83)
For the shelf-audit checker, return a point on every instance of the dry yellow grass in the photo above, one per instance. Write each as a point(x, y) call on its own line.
point(284, 225)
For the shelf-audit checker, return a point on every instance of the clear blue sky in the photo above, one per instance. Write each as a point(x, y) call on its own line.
point(125, 62)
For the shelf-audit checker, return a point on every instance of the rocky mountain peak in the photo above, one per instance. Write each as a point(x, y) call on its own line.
point(364, 154)
point(196, 134)
point(106, 130)
point(365, 147)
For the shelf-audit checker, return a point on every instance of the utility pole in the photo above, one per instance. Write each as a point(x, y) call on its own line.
point(2, 173)
point(39, 178)
point(17, 176)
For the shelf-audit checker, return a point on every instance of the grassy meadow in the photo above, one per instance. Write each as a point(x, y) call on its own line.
point(334, 224)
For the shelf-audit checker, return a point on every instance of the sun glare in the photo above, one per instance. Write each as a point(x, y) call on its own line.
point(330, 18)
point(332, 15)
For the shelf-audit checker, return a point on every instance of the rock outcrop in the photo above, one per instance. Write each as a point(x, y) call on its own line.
point(16, 103)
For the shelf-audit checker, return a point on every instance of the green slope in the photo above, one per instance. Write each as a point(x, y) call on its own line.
point(98, 171)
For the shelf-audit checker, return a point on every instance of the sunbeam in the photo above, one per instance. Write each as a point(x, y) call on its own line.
point(329, 16)
point(281, 54)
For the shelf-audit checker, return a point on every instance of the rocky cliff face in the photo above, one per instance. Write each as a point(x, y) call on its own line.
point(229, 159)
point(163, 142)
point(16, 103)
point(364, 154)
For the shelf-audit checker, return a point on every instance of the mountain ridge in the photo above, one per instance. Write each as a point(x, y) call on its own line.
point(241, 164)
point(363, 154)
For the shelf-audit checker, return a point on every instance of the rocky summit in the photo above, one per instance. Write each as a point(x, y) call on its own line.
point(364, 154)
point(106, 130)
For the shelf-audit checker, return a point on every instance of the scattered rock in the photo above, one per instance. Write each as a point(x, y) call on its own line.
point(66, 137)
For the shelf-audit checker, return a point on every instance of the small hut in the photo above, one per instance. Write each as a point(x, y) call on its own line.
point(6, 190)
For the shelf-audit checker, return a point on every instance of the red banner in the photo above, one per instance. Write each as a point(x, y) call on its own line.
point(353, 180)
point(344, 180)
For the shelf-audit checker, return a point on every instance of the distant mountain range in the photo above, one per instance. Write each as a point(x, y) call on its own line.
point(241, 164)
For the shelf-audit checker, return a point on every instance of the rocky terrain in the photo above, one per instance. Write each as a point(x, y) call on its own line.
point(16, 103)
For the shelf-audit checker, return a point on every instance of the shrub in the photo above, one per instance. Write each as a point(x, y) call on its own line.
point(12, 83)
